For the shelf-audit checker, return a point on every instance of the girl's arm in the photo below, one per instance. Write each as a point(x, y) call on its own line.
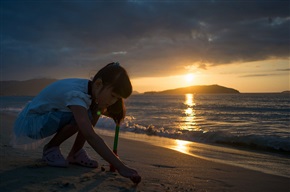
point(85, 127)
point(95, 115)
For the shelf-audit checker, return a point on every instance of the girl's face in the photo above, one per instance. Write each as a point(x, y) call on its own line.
point(106, 97)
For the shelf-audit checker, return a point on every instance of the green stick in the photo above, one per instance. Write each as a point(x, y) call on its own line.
point(115, 148)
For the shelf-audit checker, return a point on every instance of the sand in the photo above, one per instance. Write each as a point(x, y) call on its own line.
point(161, 169)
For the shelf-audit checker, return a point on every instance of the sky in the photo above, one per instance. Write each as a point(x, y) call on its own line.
point(241, 44)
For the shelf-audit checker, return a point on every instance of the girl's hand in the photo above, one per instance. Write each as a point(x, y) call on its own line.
point(130, 173)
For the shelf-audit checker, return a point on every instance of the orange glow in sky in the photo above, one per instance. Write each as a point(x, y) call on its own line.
point(250, 77)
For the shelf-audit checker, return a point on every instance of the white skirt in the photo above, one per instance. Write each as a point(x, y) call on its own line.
point(32, 129)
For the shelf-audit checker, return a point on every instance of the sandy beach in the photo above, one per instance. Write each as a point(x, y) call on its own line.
point(161, 170)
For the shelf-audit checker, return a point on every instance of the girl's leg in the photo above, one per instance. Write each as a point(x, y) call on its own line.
point(51, 152)
point(62, 135)
point(78, 155)
point(78, 144)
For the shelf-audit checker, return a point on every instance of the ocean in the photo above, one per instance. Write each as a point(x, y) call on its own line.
point(248, 130)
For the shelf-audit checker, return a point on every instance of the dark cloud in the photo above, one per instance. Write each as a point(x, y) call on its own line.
point(152, 38)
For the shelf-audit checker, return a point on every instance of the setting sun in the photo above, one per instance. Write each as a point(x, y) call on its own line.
point(189, 77)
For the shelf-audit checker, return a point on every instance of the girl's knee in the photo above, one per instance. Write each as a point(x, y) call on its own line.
point(71, 128)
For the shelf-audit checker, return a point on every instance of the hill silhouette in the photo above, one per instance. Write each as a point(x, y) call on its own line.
point(285, 92)
point(23, 88)
point(205, 89)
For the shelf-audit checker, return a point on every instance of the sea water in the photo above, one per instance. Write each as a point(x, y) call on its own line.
point(248, 130)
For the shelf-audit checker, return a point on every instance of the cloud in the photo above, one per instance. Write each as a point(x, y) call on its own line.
point(258, 75)
point(150, 38)
point(264, 75)
point(119, 53)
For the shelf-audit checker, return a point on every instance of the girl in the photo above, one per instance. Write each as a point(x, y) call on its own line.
point(72, 106)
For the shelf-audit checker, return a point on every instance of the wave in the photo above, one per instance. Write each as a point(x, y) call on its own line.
point(13, 110)
point(256, 142)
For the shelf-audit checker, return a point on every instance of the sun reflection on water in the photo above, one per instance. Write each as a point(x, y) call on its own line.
point(189, 118)
point(189, 100)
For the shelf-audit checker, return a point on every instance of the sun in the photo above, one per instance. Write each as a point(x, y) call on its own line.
point(189, 77)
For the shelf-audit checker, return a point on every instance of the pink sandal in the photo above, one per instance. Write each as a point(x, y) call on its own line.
point(53, 157)
point(82, 158)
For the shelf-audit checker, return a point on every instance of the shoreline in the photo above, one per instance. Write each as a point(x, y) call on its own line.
point(261, 161)
point(161, 170)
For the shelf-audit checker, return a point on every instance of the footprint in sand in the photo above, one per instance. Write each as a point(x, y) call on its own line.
point(38, 164)
point(163, 166)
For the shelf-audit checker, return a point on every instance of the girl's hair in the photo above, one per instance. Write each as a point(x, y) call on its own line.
point(116, 76)
point(117, 111)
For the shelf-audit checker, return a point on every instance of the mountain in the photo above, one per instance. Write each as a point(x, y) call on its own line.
point(286, 92)
point(135, 93)
point(206, 89)
point(23, 88)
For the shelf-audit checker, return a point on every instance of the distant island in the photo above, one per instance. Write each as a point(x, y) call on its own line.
point(204, 89)
point(135, 93)
point(286, 92)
